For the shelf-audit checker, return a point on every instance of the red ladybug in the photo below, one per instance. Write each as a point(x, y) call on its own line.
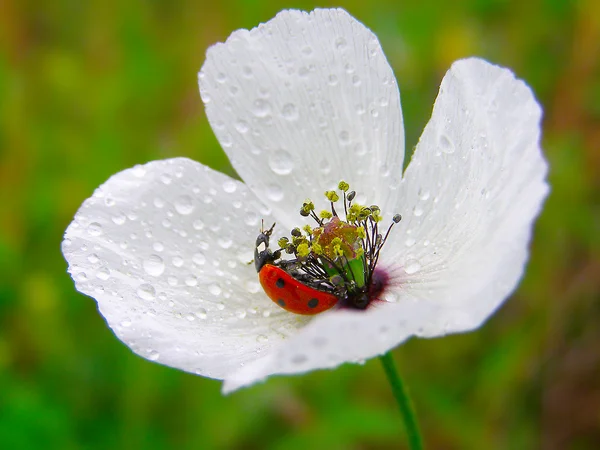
point(285, 290)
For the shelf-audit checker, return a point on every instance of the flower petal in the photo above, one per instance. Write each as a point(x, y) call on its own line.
point(450, 266)
point(164, 249)
point(470, 195)
point(302, 102)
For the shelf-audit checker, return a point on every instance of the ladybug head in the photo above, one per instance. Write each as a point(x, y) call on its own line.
point(262, 254)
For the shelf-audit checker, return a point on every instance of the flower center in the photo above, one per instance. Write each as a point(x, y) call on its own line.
point(337, 257)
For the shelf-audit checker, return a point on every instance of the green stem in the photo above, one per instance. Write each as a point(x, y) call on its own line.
point(406, 409)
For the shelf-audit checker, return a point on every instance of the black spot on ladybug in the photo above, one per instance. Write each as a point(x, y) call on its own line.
point(281, 303)
point(313, 302)
point(280, 283)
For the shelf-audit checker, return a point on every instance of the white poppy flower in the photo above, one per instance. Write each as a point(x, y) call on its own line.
point(298, 104)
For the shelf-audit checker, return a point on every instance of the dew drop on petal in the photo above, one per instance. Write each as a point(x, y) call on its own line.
point(191, 281)
point(146, 292)
point(290, 112)
point(274, 192)
point(261, 339)
point(229, 186)
point(94, 229)
point(261, 108)
point(154, 266)
point(214, 289)
point(418, 211)
point(281, 162)
point(177, 261)
point(153, 355)
point(118, 219)
point(412, 266)
point(446, 144)
point(125, 323)
point(184, 205)
point(199, 259)
point(252, 286)
point(201, 314)
point(224, 242)
point(103, 273)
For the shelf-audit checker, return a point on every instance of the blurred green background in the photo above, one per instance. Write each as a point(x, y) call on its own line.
point(90, 88)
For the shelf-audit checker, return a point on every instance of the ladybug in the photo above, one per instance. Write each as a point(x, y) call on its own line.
point(286, 291)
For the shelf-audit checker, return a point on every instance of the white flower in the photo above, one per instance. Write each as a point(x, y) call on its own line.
point(298, 104)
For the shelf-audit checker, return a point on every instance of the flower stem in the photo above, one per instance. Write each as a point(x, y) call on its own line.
point(406, 409)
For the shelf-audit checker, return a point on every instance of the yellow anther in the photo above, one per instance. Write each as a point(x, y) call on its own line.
point(332, 196)
point(361, 233)
point(325, 214)
point(343, 186)
point(303, 250)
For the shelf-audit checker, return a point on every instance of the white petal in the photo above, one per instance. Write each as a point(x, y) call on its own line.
point(164, 249)
point(338, 337)
point(470, 196)
point(450, 267)
point(302, 102)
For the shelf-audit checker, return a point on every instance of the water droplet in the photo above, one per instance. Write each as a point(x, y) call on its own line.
point(177, 261)
point(119, 219)
point(418, 211)
point(275, 192)
point(220, 306)
point(139, 171)
point(94, 229)
point(103, 273)
point(252, 286)
point(251, 218)
point(261, 108)
point(199, 259)
point(153, 355)
point(81, 276)
point(360, 149)
point(424, 195)
point(344, 138)
point(93, 258)
point(201, 314)
point(281, 162)
point(184, 205)
point(154, 265)
point(241, 314)
point(214, 289)
point(229, 186)
point(261, 339)
point(410, 242)
point(224, 242)
point(221, 77)
point(356, 80)
point(247, 72)
point(324, 166)
point(158, 246)
point(299, 359)
point(191, 281)
point(125, 323)
point(190, 317)
point(290, 112)
point(166, 178)
point(412, 266)
point(242, 126)
point(146, 292)
point(340, 43)
point(446, 144)
point(332, 80)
